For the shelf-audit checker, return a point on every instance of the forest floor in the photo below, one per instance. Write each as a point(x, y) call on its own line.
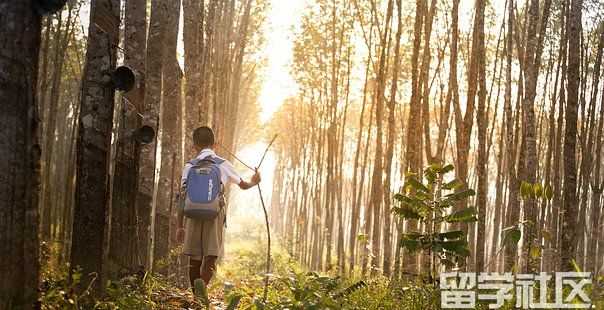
point(240, 277)
point(239, 285)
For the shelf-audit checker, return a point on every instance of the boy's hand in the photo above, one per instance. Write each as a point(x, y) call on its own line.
point(256, 177)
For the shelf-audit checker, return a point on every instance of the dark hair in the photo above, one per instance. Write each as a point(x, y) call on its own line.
point(203, 137)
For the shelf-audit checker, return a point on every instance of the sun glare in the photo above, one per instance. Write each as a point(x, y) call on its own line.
point(278, 83)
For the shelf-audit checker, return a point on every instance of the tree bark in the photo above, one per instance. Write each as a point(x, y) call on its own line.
point(92, 213)
point(482, 123)
point(146, 201)
point(20, 153)
point(569, 215)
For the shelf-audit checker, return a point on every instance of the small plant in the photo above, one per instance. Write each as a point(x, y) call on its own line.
point(201, 292)
point(430, 204)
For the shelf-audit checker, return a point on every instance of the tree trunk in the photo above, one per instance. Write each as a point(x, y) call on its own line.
point(170, 116)
point(127, 225)
point(193, 14)
point(569, 215)
point(147, 176)
point(482, 123)
point(20, 153)
point(92, 213)
point(391, 141)
point(412, 155)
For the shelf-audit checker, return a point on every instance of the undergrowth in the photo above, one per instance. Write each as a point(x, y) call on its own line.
point(239, 282)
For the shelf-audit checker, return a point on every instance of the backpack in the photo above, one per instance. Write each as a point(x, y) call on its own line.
point(204, 192)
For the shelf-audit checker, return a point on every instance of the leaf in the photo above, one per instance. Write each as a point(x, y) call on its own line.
point(234, 302)
point(400, 197)
point(430, 174)
point(573, 262)
point(447, 168)
point(466, 215)
point(538, 190)
point(417, 185)
point(455, 184)
point(461, 195)
point(512, 235)
point(458, 247)
point(407, 213)
point(455, 234)
point(546, 235)
point(535, 252)
point(447, 262)
point(526, 190)
point(200, 292)
point(411, 242)
point(548, 192)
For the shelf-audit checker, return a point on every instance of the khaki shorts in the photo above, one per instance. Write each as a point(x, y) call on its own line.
point(204, 238)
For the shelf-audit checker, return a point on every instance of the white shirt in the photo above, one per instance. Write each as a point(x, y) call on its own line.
point(228, 174)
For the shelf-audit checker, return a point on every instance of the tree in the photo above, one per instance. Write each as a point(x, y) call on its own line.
point(146, 201)
point(92, 213)
point(170, 127)
point(569, 215)
point(428, 204)
point(482, 123)
point(19, 149)
point(127, 227)
point(193, 21)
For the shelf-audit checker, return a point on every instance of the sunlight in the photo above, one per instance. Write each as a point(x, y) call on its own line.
point(245, 210)
point(278, 84)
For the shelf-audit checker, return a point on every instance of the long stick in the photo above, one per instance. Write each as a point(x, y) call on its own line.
point(268, 228)
point(268, 248)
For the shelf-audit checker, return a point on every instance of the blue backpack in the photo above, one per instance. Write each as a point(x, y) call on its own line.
point(203, 199)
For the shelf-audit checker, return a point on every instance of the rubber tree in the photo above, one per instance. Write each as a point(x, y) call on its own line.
point(20, 152)
point(92, 210)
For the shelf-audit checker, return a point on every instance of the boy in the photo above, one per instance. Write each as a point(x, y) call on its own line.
point(203, 240)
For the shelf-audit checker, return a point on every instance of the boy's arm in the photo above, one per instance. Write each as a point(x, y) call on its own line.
point(234, 177)
point(253, 181)
point(180, 208)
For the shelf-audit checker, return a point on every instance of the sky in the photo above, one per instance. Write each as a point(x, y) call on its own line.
point(278, 83)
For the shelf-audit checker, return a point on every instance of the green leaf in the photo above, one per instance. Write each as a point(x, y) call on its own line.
point(447, 168)
point(535, 252)
point(447, 262)
point(461, 195)
point(411, 241)
point(430, 174)
point(458, 247)
point(573, 262)
point(455, 234)
point(538, 190)
point(417, 185)
point(512, 235)
point(546, 235)
point(200, 292)
point(415, 203)
point(526, 190)
point(455, 184)
point(399, 196)
point(407, 213)
point(466, 215)
point(234, 302)
point(548, 192)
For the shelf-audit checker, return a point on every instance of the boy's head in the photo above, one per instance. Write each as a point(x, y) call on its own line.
point(203, 137)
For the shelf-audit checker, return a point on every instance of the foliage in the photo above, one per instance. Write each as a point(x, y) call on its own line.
point(61, 289)
point(58, 289)
point(430, 203)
